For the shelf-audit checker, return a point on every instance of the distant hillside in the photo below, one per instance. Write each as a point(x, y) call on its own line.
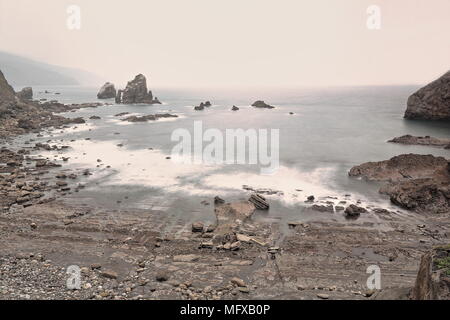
point(22, 71)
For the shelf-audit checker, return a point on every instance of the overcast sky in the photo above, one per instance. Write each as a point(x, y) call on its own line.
point(236, 42)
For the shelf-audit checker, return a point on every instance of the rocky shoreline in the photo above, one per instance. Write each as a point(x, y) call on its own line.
point(129, 255)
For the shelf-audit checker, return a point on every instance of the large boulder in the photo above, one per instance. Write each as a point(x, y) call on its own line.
point(262, 104)
point(136, 92)
point(25, 94)
point(108, 91)
point(433, 278)
point(432, 102)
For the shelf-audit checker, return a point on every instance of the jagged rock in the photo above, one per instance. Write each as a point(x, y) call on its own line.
point(433, 278)
point(259, 202)
point(322, 208)
point(423, 141)
point(108, 91)
point(234, 108)
point(136, 92)
point(432, 102)
point(416, 182)
point(262, 104)
point(353, 211)
point(7, 94)
point(25, 94)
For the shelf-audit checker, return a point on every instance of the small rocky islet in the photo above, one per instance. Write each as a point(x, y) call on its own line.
point(212, 261)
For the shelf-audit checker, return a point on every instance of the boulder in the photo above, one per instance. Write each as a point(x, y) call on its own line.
point(433, 278)
point(431, 102)
point(25, 94)
point(234, 108)
point(108, 91)
point(262, 104)
point(259, 201)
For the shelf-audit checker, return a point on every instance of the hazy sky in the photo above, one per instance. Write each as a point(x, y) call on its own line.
point(236, 42)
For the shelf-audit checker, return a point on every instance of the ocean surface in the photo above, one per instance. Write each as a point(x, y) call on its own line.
point(331, 130)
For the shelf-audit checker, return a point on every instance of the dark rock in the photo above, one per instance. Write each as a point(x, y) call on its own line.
point(353, 211)
point(108, 91)
point(95, 118)
point(218, 200)
point(262, 104)
point(432, 102)
point(259, 202)
point(322, 208)
point(136, 92)
point(234, 108)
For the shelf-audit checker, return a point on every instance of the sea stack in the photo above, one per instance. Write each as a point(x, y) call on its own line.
point(432, 102)
point(108, 91)
point(136, 92)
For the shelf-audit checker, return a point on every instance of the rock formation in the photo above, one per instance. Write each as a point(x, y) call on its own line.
point(262, 104)
point(150, 117)
point(416, 182)
point(7, 94)
point(136, 92)
point(234, 108)
point(108, 91)
point(432, 102)
point(25, 94)
point(422, 141)
point(433, 278)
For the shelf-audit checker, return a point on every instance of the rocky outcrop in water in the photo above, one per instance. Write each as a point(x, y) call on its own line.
point(108, 91)
point(433, 278)
point(25, 94)
point(416, 182)
point(136, 92)
point(422, 141)
point(432, 102)
point(262, 104)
